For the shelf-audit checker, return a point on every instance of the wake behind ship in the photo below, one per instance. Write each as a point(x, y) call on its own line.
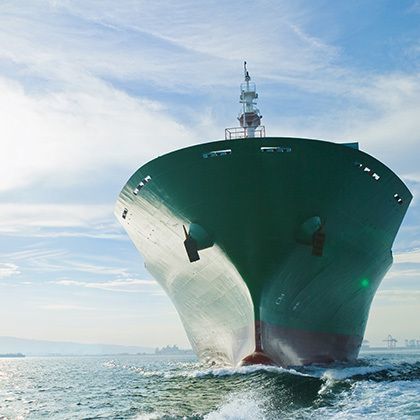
point(270, 248)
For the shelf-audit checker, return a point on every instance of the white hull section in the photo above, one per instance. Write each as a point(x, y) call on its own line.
point(210, 296)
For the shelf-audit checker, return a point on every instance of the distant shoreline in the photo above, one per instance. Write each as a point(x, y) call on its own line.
point(11, 355)
point(63, 355)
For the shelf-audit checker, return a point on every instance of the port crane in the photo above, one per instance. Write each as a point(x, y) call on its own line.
point(390, 341)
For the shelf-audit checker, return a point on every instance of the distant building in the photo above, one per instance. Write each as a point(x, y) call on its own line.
point(412, 344)
point(171, 350)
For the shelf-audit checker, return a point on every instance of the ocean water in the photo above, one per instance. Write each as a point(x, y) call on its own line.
point(379, 385)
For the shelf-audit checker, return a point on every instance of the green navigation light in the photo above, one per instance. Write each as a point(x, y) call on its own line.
point(364, 282)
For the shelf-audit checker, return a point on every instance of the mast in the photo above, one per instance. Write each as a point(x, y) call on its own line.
point(249, 117)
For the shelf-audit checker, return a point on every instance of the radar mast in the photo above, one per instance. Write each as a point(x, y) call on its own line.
point(249, 117)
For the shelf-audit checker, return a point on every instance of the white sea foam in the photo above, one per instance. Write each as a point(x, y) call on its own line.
point(147, 373)
point(245, 406)
point(109, 364)
point(242, 370)
point(200, 371)
point(332, 376)
point(346, 373)
point(154, 416)
point(374, 400)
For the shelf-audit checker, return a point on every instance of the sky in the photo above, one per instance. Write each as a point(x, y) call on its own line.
point(91, 90)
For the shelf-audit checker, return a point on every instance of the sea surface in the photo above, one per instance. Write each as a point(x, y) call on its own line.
point(380, 385)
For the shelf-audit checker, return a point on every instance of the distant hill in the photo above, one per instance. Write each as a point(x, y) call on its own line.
point(48, 348)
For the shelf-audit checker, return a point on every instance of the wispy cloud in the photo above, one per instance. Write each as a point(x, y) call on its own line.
point(34, 254)
point(400, 295)
point(77, 112)
point(68, 133)
point(8, 270)
point(194, 41)
point(15, 217)
point(413, 177)
point(69, 265)
point(44, 261)
point(94, 234)
point(412, 256)
point(96, 269)
point(120, 285)
point(66, 307)
point(409, 273)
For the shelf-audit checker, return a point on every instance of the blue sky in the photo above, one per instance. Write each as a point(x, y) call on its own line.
point(91, 90)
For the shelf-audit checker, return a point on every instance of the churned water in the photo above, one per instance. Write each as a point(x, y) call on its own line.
point(379, 385)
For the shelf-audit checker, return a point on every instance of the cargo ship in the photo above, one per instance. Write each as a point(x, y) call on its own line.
point(270, 248)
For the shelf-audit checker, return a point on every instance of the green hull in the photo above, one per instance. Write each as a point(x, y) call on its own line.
point(260, 286)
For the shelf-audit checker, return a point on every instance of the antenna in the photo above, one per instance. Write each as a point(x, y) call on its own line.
point(246, 74)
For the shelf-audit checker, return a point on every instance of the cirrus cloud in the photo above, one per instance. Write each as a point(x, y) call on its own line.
point(119, 285)
point(8, 270)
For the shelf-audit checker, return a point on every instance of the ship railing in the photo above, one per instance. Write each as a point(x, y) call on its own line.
point(244, 132)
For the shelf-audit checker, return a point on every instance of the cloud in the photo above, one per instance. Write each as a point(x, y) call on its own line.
point(81, 117)
point(8, 270)
point(412, 256)
point(60, 221)
point(66, 264)
point(74, 234)
point(413, 182)
point(66, 307)
point(406, 267)
point(412, 177)
point(64, 121)
point(15, 217)
point(408, 273)
point(193, 41)
point(34, 254)
point(120, 285)
point(394, 126)
point(44, 261)
point(96, 269)
point(72, 135)
point(399, 295)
